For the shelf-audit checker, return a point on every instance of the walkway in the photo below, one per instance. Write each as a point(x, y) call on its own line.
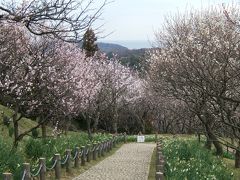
point(130, 162)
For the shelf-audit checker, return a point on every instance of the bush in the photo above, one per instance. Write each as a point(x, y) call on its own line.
point(10, 161)
point(228, 155)
point(188, 160)
point(132, 138)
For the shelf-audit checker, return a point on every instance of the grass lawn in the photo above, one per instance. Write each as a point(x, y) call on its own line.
point(24, 123)
point(230, 165)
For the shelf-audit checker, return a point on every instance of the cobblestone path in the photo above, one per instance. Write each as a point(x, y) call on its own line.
point(130, 162)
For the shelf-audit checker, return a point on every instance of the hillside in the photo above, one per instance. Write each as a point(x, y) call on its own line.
point(112, 48)
point(131, 58)
point(24, 123)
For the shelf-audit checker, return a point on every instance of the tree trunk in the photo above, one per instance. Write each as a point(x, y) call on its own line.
point(44, 130)
point(143, 128)
point(95, 124)
point(115, 119)
point(219, 150)
point(232, 141)
point(16, 129)
point(143, 120)
point(208, 143)
point(237, 157)
point(115, 127)
point(89, 128)
point(214, 140)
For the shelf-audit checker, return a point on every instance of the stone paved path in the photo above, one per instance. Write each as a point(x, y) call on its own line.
point(130, 162)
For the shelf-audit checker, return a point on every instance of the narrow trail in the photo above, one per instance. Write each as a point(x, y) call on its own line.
point(130, 162)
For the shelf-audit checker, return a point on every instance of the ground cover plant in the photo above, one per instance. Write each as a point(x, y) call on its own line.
point(187, 159)
point(36, 148)
point(31, 150)
point(10, 161)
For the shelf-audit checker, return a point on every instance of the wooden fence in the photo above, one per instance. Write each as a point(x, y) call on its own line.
point(69, 160)
point(159, 162)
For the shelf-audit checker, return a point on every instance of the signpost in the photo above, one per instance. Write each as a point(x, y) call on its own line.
point(140, 139)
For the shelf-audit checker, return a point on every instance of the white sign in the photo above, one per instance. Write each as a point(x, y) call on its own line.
point(140, 139)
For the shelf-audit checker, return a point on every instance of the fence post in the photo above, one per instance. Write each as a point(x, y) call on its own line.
point(109, 145)
point(68, 163)
point(159, 156)
point(42, 163)
point(160, 162)
point(76, 160)
point(83, 156)
point(7, 176)
point(125, 137)
point(27, 174)
point(94, 151)
point(114, 142)
point(99, 149)
point(159, 176)
point(159, 168)
point(103, 149)
point(199, 137)
point(89, 153)
point(106, 146)
point(57, 168)
point(156, 138)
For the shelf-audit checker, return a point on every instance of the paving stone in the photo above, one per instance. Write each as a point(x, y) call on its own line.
point(130, 162)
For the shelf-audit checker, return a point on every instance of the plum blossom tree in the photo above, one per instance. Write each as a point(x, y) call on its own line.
point(52, 81)
point(43, 78)
point(67, 20)
point(198, 63)
point(118, 85)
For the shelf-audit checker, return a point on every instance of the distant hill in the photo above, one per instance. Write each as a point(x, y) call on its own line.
point(121, 51)
point(131, 58)
point(111, 48)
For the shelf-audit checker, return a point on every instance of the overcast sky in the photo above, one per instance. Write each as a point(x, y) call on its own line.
point(136, 20)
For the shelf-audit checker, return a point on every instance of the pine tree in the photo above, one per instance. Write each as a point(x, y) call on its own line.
point(89, 43)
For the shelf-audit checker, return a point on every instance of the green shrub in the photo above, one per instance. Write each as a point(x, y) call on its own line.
point(101, 137)
point(228, 155)
point(132, 138)
point(150, 138)
point(10, 161)
point(188, 160)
